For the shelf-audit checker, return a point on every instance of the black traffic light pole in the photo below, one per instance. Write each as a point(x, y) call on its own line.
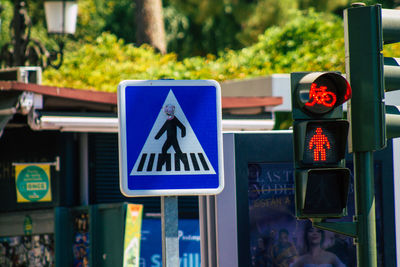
point(367, 28)
point(367, 123)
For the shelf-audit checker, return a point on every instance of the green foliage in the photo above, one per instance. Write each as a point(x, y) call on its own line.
point(6, 15)
point(392, 50)
point(283, 120)
point(177, 29)
point(210, 26)
point(323, 5)
point(193, 27)
point(310, 41)
point(120, 20)
point(262, 15)
point(91, 18)
point(216, 25)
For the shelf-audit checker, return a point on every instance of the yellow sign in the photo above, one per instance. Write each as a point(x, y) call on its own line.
point(33, 182)
point(133, 226)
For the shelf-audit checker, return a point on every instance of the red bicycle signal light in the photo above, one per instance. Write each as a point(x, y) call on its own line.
point(320, 96)
point(320, 92)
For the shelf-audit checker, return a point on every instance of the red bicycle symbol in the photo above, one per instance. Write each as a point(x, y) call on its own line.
point(320, 96)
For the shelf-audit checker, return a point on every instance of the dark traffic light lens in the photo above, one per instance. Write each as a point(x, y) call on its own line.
point(326, 191)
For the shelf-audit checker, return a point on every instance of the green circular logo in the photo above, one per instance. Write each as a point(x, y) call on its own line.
point(33, 183)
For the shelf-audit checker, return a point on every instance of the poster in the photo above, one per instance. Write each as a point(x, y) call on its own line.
point(33, 250)
point(133, 227)
point(81, 240)
point(277, 238)
point(32, 182)
point(189, 243)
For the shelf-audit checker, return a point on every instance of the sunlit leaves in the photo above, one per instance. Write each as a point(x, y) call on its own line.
point(310, 41)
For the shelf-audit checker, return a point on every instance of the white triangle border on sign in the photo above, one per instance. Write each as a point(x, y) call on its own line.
point(188, 144)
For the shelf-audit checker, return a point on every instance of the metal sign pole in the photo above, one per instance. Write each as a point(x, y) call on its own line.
point(208, 232)
point(203, 231)
point(169, 229)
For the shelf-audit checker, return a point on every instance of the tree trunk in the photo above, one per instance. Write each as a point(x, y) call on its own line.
point(150, 24)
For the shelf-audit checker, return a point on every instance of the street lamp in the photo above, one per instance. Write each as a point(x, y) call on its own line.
point(24, 50)
point(61, 16)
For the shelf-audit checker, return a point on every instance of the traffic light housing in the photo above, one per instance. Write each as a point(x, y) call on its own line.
point(320, 139)
point(365, 70)
point(371, 74)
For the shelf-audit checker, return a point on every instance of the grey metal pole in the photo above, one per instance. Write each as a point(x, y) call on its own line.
point(84, 168)
point(169, 229)
point(208, 231)
point(212, 232)
point(203, 231)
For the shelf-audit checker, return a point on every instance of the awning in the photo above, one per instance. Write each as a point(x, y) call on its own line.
point(109, 124)
point(8, 107)
point(75, 123)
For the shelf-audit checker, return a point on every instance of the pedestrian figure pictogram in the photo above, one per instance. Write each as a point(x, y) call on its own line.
point(319, 143)
point(170, 126)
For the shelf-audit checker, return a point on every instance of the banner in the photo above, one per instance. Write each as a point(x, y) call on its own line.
point(81, 242)
point(32, 182)
point(277, 238)
point(189, 243)
point(133, 227)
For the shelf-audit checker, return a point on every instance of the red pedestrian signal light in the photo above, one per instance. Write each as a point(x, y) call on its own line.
point(319, 143)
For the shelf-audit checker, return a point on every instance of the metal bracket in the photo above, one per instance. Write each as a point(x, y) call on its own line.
point(25, 102)
point(344, 228)
point(56, 163)
point(392, 117)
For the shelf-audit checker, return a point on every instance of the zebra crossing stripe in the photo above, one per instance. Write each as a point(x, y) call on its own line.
point(165, 160)
point(142, 161)
point(194, 161)
point(181, 158)
point(151, 161)
point(203, 161)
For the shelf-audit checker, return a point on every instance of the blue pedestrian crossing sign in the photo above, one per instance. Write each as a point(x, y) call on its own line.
point(170, 139)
